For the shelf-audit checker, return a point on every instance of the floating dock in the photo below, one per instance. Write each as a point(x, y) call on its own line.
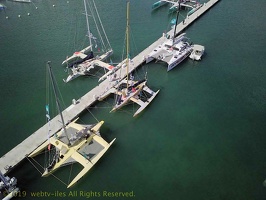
point(22, 150)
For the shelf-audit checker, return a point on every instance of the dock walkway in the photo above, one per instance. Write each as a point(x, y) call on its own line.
point(19, 152)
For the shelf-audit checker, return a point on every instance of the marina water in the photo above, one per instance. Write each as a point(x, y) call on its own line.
point(203, 137)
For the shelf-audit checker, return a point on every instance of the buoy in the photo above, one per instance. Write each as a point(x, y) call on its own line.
point(6, 17)
point(36, 7)
point(18, 15)
point(28, 14)
point(53, 5)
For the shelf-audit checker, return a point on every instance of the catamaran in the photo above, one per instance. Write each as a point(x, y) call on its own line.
point(128, 90)
point(169, 45)
point(193, 5)
point(173, 50)
point(82, 62)
point(73, 143)
point(175, 54)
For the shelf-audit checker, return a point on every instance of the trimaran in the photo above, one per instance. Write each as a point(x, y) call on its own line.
point(82, 62)
point(74, 143)
point(127, 90)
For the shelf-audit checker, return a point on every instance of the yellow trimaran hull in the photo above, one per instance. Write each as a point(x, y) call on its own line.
point(72, 151)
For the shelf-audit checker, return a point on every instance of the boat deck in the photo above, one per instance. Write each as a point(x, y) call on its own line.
point(19, 152)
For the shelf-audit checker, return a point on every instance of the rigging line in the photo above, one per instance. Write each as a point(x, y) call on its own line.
point(125, 111)
point(101, 24)
point(134, 42)
point(122, 58)
point(59, 179)
point(136, 49)
point(69, 35)
point(70, 173)
point(60, 94)
point(87, 21)
point(98, 30)
point(43, 168)
point(75, 36)
point(96, 24)
point(102, 107)
point(124, 48)
point(35, 165)
point(47, 87)
point(92, 114)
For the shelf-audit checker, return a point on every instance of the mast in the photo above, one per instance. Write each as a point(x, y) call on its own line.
point(176, 21)
point(127, 34)
point(87, 21)
point(57, 100)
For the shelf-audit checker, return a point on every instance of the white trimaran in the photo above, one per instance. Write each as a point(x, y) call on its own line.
point(74, 143)
point(127, 89)
point(82, 62)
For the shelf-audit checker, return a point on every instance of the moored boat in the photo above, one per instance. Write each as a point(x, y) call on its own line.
point(73, 143)
point(129, 90)
point(197, 52)
point(81, 62)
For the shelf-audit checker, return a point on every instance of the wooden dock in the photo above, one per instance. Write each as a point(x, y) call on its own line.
point(20, 152)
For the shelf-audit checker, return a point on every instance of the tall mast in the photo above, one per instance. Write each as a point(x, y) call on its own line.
point(57, 100)
point(87, 20)
point(127, 34)
point(176, 20)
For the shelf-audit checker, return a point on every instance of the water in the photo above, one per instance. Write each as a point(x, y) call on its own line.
point(202, 137)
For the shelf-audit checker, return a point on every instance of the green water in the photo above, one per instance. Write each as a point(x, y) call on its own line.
point(203, 137)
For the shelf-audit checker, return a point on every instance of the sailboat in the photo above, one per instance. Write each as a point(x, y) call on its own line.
point(128, 90)
point(82, 62)
point(73, 143)
point(198, 51)
point(173, 50)
point(194, 5)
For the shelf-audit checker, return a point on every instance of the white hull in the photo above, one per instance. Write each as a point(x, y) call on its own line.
point(178, 58)
point(165, 46)
point(85, 67)
point(198, 51)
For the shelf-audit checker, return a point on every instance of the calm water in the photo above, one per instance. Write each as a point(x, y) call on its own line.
point(203, 137)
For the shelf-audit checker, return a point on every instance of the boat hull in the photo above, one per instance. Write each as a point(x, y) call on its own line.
point(175, 62)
